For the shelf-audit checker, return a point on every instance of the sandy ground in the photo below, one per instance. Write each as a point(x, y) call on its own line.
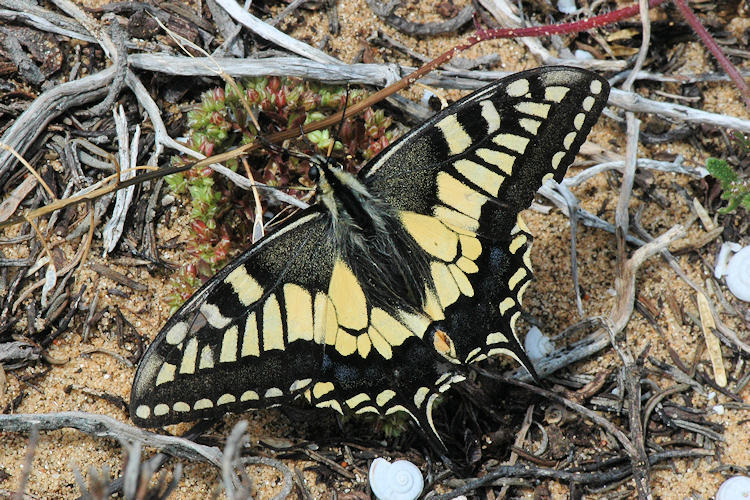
point(550, 299)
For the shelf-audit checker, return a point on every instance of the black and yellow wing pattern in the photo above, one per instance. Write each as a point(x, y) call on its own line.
point(377, 297)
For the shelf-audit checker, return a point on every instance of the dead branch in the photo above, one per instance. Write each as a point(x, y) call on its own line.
point(103, 426)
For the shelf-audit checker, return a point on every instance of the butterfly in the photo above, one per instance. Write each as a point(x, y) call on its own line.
point(376, 298)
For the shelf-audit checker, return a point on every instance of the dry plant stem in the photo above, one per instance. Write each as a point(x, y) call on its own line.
point(27, 465)
point(384, 74)
point(618, 318)
point(646, 38)
point(272, 34)
point(48, 106)
point(103, 426)
point(631, 373)
point(708, 40)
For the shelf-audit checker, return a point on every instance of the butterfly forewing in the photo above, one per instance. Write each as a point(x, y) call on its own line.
point(293, 316)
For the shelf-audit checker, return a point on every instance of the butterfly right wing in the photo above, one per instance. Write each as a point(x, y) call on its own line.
point(251, 337)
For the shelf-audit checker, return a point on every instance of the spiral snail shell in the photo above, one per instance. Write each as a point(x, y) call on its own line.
point(736, 269)
point(400, 480)
point(734, 488)
point(537, 345)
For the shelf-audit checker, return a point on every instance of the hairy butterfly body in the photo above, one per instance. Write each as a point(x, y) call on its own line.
point(377, 297)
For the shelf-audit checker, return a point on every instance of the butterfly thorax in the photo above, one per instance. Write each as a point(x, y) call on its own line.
point(384, 257)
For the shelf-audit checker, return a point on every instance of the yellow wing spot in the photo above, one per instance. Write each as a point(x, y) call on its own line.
point(181, 406)
point(588, 103)
point(522, 290)
point(520, 225)
point(202, 404)
point(513, 142)
point(506, 304)
point(431, 235)
point(469, 358)
point(443, 344)
point(225, 399)
point(213, 316)
point(432, 305)
point(513, 321)
point(539, 109)
point(496, 338)
point(177, 333)
point(490, 115)
point(555, 93)
point(325, 325)
point(384, 397)
point(207, 358)
point(454, 134)
point(330, 404)
point(250, 342)
point(273, 335)
point(364, 345)
point(143, 411)
point(445, 285)
point(189, 357)
point(161, 409)
point(483, 177)
point(578, 121)
point(299, 313)
point(416, 323)
point(557, 158)
point(464, 285)
point(392, 331)
point(458, 195)
point(505, 351)
point(348, 298)
point(517, 243)
point(531, 126)
point(379, 343)
point(346, 343)
point(568, 141)
point(229, 345)
point(367, 409)
point(471, 247)
point(397, 408)
point(456, 220)
point(501, 160)
point(322, 388)
point(516, 278)
point(527, 257)
point(420, 395)
point(248, 290)
point(547, 177)
point(249, 396)
point(355, 401)
point(299, 384)
point(595, 87)
point(166, 373)
point(467, 265)
point(273, 392)
point(518, 88)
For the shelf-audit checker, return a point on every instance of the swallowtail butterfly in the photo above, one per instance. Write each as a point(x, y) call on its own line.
point(377, 297)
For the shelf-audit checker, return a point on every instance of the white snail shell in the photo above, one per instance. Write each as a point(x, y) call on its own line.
point(738, 274)
point(734, 488)
point(537, 345)
point(400, 480)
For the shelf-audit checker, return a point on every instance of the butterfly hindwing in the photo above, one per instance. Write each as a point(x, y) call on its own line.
point(297, 315)
point(230, 346)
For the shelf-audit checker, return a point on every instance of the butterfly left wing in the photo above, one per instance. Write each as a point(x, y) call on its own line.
point(231, 345)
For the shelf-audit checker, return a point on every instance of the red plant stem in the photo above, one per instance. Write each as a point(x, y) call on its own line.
point(709, 41)
point(556, 29)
